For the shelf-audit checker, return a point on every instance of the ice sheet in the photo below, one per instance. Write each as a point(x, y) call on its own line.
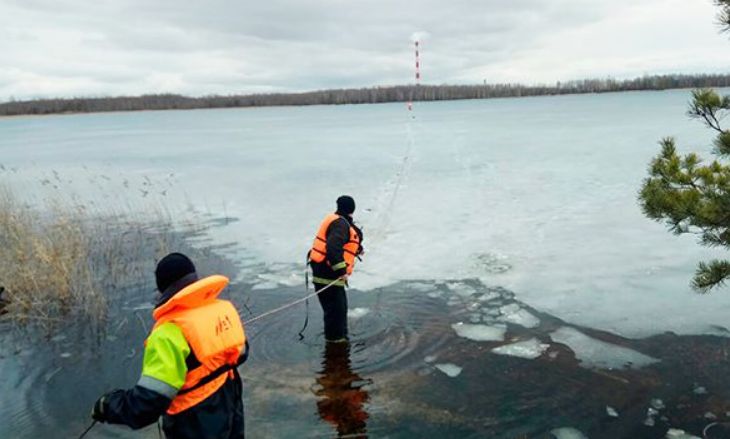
point(599, 354)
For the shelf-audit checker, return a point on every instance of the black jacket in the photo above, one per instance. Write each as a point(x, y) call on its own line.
point(337, 235)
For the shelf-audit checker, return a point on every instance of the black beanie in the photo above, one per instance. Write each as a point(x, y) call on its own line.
point(172, 268)
point(346, 205)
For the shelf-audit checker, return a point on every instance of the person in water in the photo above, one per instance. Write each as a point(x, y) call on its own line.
point(336, 246)
point(189, 369)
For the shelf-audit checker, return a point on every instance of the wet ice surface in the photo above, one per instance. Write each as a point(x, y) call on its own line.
point(595, 353)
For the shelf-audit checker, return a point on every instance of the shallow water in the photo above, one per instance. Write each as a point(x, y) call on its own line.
point(408, 371)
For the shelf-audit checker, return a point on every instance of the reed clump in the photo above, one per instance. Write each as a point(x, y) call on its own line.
point(63, 264)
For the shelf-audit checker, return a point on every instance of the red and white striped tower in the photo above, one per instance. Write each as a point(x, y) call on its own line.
point(418, 65)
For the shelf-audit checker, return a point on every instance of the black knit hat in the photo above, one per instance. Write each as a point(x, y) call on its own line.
point(346, 205)
point(172, 268)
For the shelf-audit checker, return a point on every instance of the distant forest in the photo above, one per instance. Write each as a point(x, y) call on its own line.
point(400, 93)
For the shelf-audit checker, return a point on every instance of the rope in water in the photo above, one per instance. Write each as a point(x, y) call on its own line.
point(710, 425)
point(88, 429)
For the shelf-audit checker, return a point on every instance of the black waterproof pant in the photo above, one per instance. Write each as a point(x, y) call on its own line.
point(334, 306)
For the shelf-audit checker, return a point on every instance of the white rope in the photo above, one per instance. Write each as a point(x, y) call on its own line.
point(290, 304)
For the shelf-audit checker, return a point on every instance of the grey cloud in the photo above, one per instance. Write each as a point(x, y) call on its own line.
point(225, 45)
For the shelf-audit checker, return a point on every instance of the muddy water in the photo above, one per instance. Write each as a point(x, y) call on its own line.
point(427, 359)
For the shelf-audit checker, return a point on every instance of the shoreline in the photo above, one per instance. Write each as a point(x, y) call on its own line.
point(357, 96)
point(253, 107)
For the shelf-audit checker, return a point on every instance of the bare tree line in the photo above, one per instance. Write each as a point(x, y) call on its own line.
point(399, 93)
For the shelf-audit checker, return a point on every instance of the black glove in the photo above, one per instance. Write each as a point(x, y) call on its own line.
point(98, 413)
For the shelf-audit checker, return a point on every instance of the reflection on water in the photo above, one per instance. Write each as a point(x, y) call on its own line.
point(341, 393)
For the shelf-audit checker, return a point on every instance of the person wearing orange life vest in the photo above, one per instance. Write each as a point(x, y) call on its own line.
point(189, 370)
point(336, 247)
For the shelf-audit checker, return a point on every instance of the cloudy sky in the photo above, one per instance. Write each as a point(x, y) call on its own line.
point(110, 47)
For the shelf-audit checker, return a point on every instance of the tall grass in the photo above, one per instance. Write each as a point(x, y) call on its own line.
point(63, 264)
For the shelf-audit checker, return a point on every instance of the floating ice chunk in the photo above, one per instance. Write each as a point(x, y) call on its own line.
point(489, 296)
point(356, 313)
point(711, 416)
point(599, 354)
point(518, 316)
point(610, 411)
point(529, 349)
point(568, 433)
point(265, 286)
point(657, 404)
point(699, 390)
point(651, 411)
point(420, 286)
point(430, 358)
point(474, 306)
point(461, 289)
point(475, 318)
point(480, 332)
point(435, 294)
point(675, 433)
point(66, 355)
point(449, 369)
point(649, 421)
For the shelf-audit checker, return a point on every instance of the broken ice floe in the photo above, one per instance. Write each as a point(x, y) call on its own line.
point(449, 369)
point(675, 433)
point(599, 354)
point(430, 358)
point(357, 313)
point(568, 433)
point(610, 411)
point(265, 286)
point(514, 314)
point(461, 288)
point(657, 404)
point(528, 349)
point(480, 332)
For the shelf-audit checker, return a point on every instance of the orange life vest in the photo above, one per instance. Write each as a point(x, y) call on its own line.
point(214, 331)
point(350, 250)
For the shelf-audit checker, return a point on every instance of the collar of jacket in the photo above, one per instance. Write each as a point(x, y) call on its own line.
point(175, 288)
point(347, 217)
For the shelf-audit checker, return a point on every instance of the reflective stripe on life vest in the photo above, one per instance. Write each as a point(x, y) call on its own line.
point(214, 331)
point(350, 250)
